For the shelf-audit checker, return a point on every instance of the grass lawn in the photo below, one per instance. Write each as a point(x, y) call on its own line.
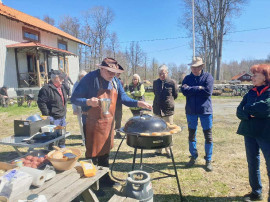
point(227, 182)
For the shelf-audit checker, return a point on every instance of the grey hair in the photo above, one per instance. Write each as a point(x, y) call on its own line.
point(137, 76)
point(53, 76)
point(81, 73)
point(163, 68)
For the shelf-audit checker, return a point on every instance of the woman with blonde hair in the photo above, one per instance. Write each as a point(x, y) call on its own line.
point(254, 113)
point(136, 91)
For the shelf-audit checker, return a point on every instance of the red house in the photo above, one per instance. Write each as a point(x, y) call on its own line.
point(242, 77)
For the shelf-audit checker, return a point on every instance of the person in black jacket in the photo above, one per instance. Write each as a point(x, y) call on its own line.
point(4, 99)
point(52, 101)
point(165, 91)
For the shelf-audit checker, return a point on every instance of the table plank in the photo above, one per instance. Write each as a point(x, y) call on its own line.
point(65, 186)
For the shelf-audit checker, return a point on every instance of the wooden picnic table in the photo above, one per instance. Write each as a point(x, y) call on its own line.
point(17, 141)
point(67, 185)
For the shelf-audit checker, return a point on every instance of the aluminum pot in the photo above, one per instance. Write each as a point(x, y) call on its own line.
point(34, 118)
point(146, 124)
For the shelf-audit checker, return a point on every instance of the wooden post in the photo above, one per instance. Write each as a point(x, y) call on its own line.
point(17, 67)
point(64, 58)
point(38, 70)
point(45, 66)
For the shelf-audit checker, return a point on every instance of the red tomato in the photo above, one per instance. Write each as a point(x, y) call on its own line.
point(27, 162)
point(35, 158)
point(34, 166)
point(23, 160)
point(41, 159)
point(46, 156)
point(34, 162)
point(29, 157)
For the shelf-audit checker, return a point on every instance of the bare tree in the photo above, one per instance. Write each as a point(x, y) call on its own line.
point(213, 19)
point(135, 56)
point(97, 20)
point(49, 20)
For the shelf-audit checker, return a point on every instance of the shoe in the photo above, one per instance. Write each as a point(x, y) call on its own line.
point(191, 162)
point(158, 154)
point(83, 144)
point(117, 136)
point(253, 197)
point(208, 166)
point(100, 193)
point(106, 181)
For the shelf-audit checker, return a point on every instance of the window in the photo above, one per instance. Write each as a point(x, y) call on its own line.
point(62, 45)
point(29, 34)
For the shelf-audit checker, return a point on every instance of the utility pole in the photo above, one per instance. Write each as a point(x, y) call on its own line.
point(145, 68)
point(193, 27)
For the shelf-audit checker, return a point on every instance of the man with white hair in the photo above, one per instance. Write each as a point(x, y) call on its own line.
point(52, 101)
point(166, 91)
point(198, 88)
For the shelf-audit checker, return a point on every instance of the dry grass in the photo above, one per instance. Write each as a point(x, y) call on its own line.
point(227, 182)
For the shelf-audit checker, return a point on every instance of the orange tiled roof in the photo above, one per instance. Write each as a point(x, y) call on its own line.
point(237, 76)
point(32, 21)
point(35, 44)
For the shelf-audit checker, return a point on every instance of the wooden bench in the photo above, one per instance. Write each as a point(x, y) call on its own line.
point(117, 198)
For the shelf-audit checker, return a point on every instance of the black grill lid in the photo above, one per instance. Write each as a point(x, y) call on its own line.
point(145, 123)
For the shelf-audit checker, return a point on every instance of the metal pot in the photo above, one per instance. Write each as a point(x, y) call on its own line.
point(34, 118)
point(146, 123)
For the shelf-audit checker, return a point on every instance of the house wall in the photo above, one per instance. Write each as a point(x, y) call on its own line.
point(11, 33)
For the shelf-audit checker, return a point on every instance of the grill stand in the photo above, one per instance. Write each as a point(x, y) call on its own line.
point(168, 175)
point(141, 166)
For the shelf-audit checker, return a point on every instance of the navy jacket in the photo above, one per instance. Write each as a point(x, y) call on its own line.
point(198, 101)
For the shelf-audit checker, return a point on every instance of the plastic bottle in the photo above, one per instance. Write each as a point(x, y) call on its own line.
point(89, 168)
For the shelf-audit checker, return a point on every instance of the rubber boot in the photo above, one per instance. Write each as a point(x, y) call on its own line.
point(192, 143)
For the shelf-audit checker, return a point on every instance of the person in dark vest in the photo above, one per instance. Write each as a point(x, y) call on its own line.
point(198, 88)
point(254, 113)
point(52, 101)
point(119, 109)
point(99, 127)
point(165, 91)
point(136, 91)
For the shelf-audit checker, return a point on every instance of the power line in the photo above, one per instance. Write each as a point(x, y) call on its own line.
point(161, 39)
point(185, 37)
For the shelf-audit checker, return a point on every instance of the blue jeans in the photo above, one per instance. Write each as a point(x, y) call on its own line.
point(206, 123)
point(253, 146)
point(59, 122)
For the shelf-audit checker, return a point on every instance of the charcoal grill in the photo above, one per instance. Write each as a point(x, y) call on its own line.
point(150, 133)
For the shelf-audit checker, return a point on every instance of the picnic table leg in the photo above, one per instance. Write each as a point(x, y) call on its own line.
point(89, 196)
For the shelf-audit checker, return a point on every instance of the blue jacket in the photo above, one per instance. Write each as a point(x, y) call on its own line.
point(198, 101)
point(88, 87)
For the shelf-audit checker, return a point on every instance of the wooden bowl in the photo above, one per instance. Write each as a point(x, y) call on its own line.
point(64, 163)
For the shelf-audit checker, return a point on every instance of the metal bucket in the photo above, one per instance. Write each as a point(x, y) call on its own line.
point(138, 186)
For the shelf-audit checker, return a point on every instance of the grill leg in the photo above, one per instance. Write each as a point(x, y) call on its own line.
point(134, 158)
point(141, 159)
point(177, 179)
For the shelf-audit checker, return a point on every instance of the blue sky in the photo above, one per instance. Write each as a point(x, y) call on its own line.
point(158, 19)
